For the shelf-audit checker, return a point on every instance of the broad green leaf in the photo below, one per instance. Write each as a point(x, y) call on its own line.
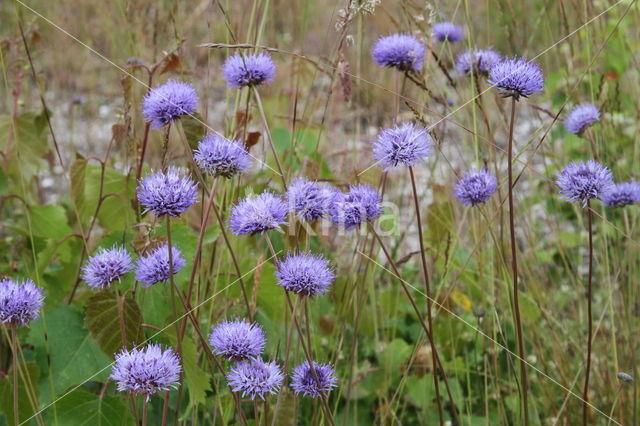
point(421, 391)
point(393, 355)
point(66, 351)
point(115, 212)
point(24, 143)
point(84, 408)
point(196, 378)
point(106, 317)
point(78, 171)
point(270, 295)
point(49, 221)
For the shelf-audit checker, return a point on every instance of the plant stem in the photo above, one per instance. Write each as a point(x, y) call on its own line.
point(269, 139)
point(14, 347)
point(145, 411)
point(165, 146)
point(425, 274)
point(514, 273)
point(585, 392)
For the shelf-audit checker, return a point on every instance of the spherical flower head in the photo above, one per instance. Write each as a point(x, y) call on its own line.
point(475, 187)
point(146, 371)
point(305, 274)
point(400, 51)
point(237, 340)
point(361, 204)
point(303, 379)
point(107, 266)
point(405, 144)
point(581, 181)
point(218, 156)
point(581, 117)
point(257, 214)
point(168, 102)
point(154, 267)
point(447, 31)
point(517, 77)
point(20, 301)
point(249, 70)
point(309, 199)
point(168, 192)
point(478, 61)
point(255, 378)
point(622, 194)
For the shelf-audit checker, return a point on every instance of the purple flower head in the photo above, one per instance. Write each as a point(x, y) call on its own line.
point(258, 214)
point(167, 193)
point(168, 102)
point(237, 340)
point(622, 194)
point(249, 70)
point(218, 156)
point(146, 371)
point(517, 77)
point(475, 187)
point(406, 144)
point(154, 267)
point(447, 31)
point(305, 274)
point(304, 382)
point(107, 266)
point(400, 51)
point(20, 301)
point(580, 181)
point(255, 378)
point(360, 204)
point(479, 61)
point(309, 199)
point(581, 117)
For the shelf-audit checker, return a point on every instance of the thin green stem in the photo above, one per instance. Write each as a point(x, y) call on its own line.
point(14, 348)
point(585, 391)
point(269, 138)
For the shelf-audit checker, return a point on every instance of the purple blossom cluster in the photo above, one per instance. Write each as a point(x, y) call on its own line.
point(168, 102)
point(622, 194)
point(237, 340)
point(305, 274)
point(107, 266)
point(257, 214)
point(581, 117)
point(447, 31)
point(478, 61)
point(310, 200)
point(475, 187)
point(360, 205)
point(167, 193)
point(20, 301)
point(249, 70)
point(405, 144)
point(154, 267)
point(255, 378)
point(313, 379)
point(517, 77)
point(400, 51)
point(218, 156)
point(582, 181)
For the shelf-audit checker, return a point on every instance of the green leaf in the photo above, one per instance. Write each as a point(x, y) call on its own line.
point(193, 128)
point(270, 295)
point(78, 170)
point(421, 391)
point(196, 378)
point(116, 211)
point(66, 351)
point(25, 404)
point(23, 141)
point(394, 354)
point(49, 221)
point(83, 408)
point(106, 317)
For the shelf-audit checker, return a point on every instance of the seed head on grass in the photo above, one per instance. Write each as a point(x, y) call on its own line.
point(478, 61)
point(218, 156)
point(107, 266)
point(447, 31)
point(257, 214)
point(517, 77)
point(305, 274)
point(167, 193)
point(622, 194)
point(304, 382)
point(255, 378)
point(154, 267)
point(249, 70)
point(581, 117)
point(237, 340)
point(168, 102)
point(400, 51)
point(475, 187)
point(361, 204)
point(583, 180)
point(146, 371)
point(20, 301)
point(405, 144)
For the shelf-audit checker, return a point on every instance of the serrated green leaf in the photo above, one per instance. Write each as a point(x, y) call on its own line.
point(84, 408)
point(49, 221)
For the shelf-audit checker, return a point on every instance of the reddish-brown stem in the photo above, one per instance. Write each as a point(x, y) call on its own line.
point(585, 392)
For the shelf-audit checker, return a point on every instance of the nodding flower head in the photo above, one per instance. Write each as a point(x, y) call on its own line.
point(517, 77)
point(400, 51)
point(255, 378)
point(303, 380)
point(309, 199)
point(583, 180)
point(163, 104)
point(478, 61)
point(361, 204)
point(405, 144)
point(249, 70)
point(167, 193)
point(475, 187)
point(237, 340)
point(447, 31)
point(218, 156)
point(107, 266)
point(146, 371)
point(20, 301)
point(258, 214)
point(622, 194)
point(305, 274)
point(154, 267)
point(581, 117)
